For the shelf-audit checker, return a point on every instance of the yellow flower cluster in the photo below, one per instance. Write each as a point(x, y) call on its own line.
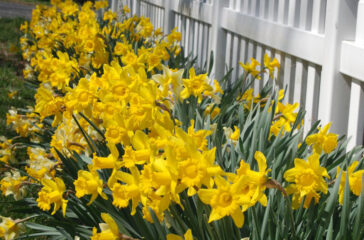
point(112, 83)
point(108, 82)
point(13, 184)
point(6, 152)
point(40, 165)
point(9, 229)
point(24, 124)
point(269, 64)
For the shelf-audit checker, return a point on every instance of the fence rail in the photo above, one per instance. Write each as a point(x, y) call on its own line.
point(319, 43)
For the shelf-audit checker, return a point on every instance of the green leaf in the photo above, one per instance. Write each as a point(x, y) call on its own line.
point(345, 211)
point(359, 218)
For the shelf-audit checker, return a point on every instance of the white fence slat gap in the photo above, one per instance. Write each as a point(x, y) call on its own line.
point(262, 4)
point(271, 8)
point(200, 42)
point(356, 115)
point(195, 40)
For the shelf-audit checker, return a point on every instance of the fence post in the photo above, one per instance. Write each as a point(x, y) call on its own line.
point(356, 116)
point(168, 22)
point(136, 7)
point(218, 40)
point(113, 4)
point(334, 87)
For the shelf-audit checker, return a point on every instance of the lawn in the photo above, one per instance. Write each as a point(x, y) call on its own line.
point(11, 66)
point(11, 81)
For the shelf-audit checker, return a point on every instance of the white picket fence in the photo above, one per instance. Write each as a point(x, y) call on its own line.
point(319, 43)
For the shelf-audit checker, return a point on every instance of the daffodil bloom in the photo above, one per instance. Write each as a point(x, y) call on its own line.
point(12, 94)
point(251, 67)
point(9, 229)
point(197, 170)
point(356, 183)
point(308, 180)
point(126, 9)
point(170, 80)
point(109, 229)
point(121, 49)
point(270, 65)
point(217, 87)
point(288, 112)
point(199, 136)
point(101, 4)
point(109, 15)
point(213, 111)
point(116, 134)
point(128, 190)
point(195, 85)
point(187, 236)
point(323, 140)
point(174, 36)
point(105, 162)
point(287, 117)
point(224, 200)
point(48, 105)
point(6, 152)
point(232, 135)
point(52, 193)
point(12, 184)
point(79, 98)
point(252, 191)
point(89, 183)
point(39, 164)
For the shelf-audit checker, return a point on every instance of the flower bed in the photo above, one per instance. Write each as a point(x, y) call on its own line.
point(129, 140)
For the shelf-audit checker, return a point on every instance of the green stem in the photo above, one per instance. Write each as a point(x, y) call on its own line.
point(291, 219)
point(255, 222)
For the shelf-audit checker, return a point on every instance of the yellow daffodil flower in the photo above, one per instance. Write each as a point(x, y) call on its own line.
point(187, 236)
point(308, 180)
point(109, 229)
point(356, 183)
point(9, 229)
point(224, 200)
point(270, 65)
point(251, 67)
point(52, 193)
point(323, 140)
point(89, 183)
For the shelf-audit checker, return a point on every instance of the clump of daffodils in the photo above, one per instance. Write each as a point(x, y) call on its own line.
point(10, 229)
point(112, 104)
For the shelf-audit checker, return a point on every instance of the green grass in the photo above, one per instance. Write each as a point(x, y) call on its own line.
point(11, 66)
point(11, 79)
point(9, 30)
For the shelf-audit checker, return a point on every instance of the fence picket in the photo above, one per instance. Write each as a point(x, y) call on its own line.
point(253, 8)
point(262, 8)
